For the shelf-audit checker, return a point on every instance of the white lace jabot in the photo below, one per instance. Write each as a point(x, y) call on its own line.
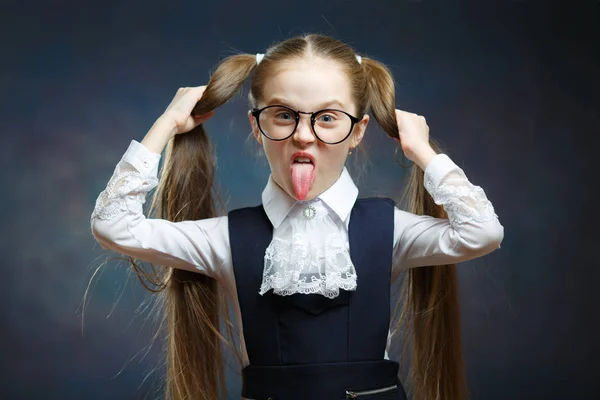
point(309, 252)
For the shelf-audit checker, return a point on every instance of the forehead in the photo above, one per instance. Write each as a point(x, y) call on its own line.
point(309, 84)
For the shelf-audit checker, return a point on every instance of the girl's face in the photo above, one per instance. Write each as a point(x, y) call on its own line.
point(309, 84)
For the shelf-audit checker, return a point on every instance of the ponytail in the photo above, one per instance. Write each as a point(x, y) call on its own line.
point(429, 303)
point(193, 303)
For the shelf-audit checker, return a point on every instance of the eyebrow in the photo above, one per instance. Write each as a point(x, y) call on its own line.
point(322, 106)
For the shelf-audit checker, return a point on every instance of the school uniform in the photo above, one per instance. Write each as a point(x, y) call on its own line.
point(313, 314)
point(308, 346)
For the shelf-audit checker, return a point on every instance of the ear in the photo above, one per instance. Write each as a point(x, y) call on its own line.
point(359, 131)
point(255, 130)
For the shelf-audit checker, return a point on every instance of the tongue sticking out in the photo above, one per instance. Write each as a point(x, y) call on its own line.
point(303, 175)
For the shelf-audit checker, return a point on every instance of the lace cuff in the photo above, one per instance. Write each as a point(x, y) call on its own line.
point(449, 187)
point(134, 176)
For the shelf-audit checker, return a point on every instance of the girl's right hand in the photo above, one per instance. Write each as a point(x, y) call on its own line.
point(178, 113)
point(176, 119)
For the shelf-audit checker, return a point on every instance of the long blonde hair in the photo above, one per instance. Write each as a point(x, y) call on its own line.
point(194, 304)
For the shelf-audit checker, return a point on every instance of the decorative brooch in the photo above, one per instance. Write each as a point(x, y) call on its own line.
point(309, 212)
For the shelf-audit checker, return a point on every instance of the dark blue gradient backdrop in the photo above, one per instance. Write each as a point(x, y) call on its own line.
point(510, 88)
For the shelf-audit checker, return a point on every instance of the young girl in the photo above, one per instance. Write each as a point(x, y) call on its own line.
point(308, 272)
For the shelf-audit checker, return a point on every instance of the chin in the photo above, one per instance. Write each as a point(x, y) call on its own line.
point(312, 194)
point(309, 197)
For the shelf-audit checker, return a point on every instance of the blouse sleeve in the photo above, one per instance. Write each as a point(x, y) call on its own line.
point(118, 222)
point(471, 230)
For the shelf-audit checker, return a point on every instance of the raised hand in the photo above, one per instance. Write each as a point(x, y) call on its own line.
point(176, 119)
point(178, 113)
point(414, 138)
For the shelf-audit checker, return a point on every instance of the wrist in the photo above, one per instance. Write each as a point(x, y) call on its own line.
point(424, 156)
point(164, 126)
point(159, 135)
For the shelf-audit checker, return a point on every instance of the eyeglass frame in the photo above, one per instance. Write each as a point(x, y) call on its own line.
point(256, 113)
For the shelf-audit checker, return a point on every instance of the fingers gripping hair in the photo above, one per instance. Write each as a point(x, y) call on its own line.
point(225, 82)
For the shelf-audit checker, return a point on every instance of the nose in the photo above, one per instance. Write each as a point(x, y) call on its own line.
point(304, 134)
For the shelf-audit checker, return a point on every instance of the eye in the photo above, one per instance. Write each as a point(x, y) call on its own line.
point(285, 115)
point(326, 118)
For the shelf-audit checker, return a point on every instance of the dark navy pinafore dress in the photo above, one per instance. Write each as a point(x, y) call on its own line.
point(308, 346)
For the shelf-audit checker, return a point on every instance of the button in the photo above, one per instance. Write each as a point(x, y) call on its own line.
point(428, 184)
point(309, 212)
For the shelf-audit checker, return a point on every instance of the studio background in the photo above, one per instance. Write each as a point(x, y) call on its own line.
point(509, 88)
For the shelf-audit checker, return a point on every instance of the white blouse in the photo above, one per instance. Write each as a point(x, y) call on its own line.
point(118, 223)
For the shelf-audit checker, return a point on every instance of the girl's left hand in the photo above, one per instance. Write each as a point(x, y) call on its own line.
point(414, 137)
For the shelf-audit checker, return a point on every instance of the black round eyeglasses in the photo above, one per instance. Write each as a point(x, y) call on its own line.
point(330, 126)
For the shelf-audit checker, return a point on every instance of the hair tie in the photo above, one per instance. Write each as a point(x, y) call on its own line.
point(359, 59)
